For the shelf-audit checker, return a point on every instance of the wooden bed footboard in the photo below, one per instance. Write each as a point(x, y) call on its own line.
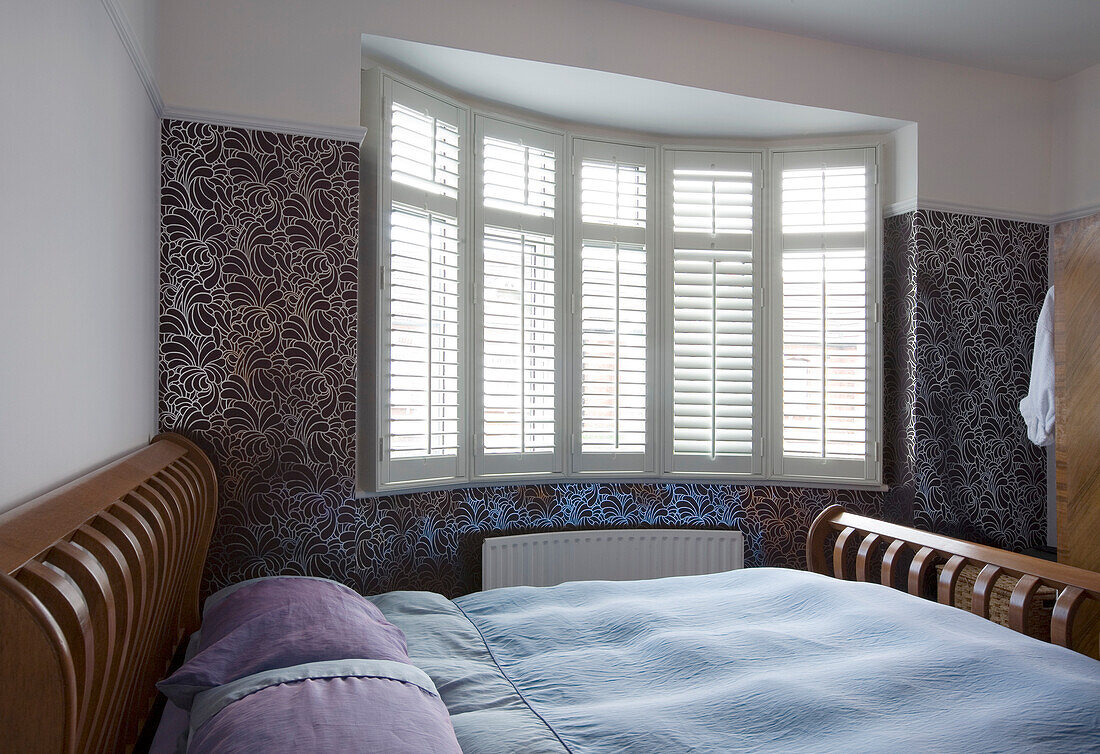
point(849, 546)
point(99, 582)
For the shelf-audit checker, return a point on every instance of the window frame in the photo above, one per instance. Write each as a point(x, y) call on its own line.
point(502, 466)
point(678, 465)
point(375, 475)
point(850, 472)
point(614, 465)
point(400, 473)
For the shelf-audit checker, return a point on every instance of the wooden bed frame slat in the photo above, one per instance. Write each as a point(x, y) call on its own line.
point(890, 559)
point(979, 600)
point(1019, 605)
point(99, 584)
point(1075, 586)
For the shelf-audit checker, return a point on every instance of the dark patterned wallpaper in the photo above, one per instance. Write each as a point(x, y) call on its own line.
point(980, 286)
point(258, 312)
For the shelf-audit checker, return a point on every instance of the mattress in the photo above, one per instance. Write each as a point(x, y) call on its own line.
point(756, 660)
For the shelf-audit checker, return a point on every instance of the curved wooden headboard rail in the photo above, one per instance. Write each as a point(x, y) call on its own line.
point(883, 547)
point(99, 582)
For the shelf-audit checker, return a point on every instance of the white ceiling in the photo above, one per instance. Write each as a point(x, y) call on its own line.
point(1042, 38)
point(612, 100)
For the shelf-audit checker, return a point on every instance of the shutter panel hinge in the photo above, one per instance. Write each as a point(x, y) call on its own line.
point(572, 303)
point(381, 278)
point(877, 452)
point(573, 443)
point(381, 448)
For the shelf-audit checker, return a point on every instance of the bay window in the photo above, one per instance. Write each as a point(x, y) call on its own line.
point(539, 305)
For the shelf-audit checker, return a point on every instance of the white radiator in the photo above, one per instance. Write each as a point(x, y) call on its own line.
point(617, 555)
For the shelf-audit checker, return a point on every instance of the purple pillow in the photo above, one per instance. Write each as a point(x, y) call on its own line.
point(276, 623)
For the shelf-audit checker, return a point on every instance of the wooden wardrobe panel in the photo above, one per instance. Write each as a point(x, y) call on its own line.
point(1075, 249)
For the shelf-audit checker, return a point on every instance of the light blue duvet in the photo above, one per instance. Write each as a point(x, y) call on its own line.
point(754, 660)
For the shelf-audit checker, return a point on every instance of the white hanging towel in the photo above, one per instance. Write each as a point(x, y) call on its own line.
point(1037, 407)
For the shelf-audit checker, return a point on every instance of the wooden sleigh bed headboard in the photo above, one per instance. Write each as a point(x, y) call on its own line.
point(848, 546)
point(99, 582)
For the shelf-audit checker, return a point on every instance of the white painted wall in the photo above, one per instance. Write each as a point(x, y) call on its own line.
point(1075, 146)
point(984, 136)
point(902, 152)
point(79, 196)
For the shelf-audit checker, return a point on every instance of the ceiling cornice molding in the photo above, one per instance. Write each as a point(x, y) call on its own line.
point(148, 80)
point(900, 208)
point(978, 211)
point(929, 205)
point(1077, 214)
point(137, 54)
point(232, 120)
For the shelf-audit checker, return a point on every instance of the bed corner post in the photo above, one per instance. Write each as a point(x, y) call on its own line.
point(815, 540)
point(38, 696)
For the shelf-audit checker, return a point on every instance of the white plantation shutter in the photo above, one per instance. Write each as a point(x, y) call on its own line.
point(518, 354)
point(613, 414)
point(423, 334)
point(424, 152)
point(827, 268)
point(614, 193)
point(518, 177)
point(714, 240)
point(523, 319)
point(423, 270)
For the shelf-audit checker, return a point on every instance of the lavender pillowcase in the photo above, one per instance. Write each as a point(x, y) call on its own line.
point(334, 713)
point(276, 623)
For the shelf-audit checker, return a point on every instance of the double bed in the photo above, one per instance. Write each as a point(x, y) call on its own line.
point(862, 652)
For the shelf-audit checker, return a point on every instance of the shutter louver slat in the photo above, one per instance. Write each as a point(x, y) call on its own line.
point(824, 317)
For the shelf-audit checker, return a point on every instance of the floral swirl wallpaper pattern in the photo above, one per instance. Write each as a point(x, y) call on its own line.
point(980, 286)
point(257, 331)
